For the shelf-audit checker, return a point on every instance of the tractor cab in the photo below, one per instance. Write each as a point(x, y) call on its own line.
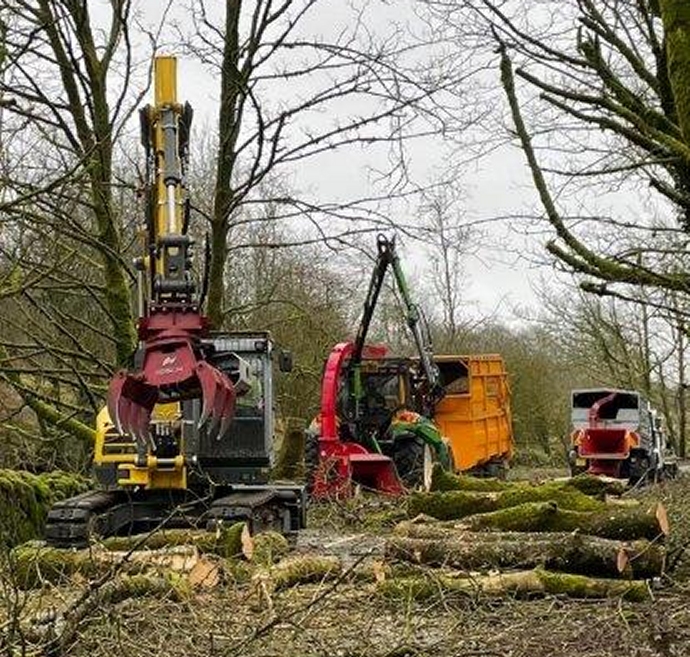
point(368, 406)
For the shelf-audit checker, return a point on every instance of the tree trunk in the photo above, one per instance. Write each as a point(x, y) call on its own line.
point(676, 18)
point(290, 459)
point(232, 89)
point(572, 553)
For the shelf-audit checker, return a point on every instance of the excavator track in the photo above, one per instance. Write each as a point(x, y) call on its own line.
point(71, 522)
point(279, 508)
point(77, 521)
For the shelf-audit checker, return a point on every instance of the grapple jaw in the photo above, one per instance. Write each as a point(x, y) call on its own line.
point(171, 372)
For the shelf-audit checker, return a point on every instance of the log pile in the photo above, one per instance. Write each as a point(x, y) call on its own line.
point(492, 537)
point(472, 537)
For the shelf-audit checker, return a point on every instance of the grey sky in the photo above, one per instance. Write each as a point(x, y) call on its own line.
point(497, 277)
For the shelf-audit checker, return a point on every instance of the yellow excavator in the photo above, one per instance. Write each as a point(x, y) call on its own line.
point(187, 438)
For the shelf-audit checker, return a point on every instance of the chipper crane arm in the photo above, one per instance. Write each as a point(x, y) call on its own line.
point(171, 325)
point(352, 352)
point(388, 257)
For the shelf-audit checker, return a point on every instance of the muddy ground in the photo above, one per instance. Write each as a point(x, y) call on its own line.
point(346, 618)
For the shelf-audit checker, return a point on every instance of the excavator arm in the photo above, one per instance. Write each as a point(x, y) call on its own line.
point(171, 326)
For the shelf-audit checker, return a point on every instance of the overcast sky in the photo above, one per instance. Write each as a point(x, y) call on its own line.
point(500, 272)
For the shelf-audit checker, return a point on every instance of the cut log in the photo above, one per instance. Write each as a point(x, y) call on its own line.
point(267, 548)
point(522, 583)
point(34, 565)
point(572, 553)
point(597, 485)
point(300, 569)
point(617, 522)
point(225, 542)
point(458, 504)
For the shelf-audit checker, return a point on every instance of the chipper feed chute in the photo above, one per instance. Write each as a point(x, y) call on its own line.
point(342, 463)
point(171, 327)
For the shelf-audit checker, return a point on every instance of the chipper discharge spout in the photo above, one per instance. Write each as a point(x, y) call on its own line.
point(173, 365)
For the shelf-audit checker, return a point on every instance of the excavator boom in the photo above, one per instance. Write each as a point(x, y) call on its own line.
point(171, 327)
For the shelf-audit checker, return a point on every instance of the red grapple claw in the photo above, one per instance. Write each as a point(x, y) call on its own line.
point(171, 371)
point(218, 399)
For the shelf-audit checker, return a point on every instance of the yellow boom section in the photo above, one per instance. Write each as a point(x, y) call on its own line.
point(164, 125)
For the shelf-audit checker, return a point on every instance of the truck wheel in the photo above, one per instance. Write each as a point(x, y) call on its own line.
point(496, 469)
point(311, 458)
point(414, 461)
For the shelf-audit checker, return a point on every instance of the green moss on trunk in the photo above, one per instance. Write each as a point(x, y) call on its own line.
point(676, 18)
point(442, 480)
point(458, 504)
point(25, 500)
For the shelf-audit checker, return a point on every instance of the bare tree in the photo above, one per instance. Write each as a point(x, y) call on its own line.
point(291, 97)
point(448, 239)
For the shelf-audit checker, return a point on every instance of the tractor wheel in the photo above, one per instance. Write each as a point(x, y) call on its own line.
point(414, 461)
point(311, 458)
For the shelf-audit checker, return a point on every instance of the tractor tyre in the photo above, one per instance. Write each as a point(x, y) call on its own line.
point(311, 459)
point(414, 461)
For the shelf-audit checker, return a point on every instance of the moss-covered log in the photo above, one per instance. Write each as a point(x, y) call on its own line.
point(299, 569)
point(442, 480)
point(225, 542)
point(268, 548)
point(34, 565)
point(26, 498)
point(599, 486)
point(572, 553)
point(522, 583)
point(458, 504)
point(619, 523)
